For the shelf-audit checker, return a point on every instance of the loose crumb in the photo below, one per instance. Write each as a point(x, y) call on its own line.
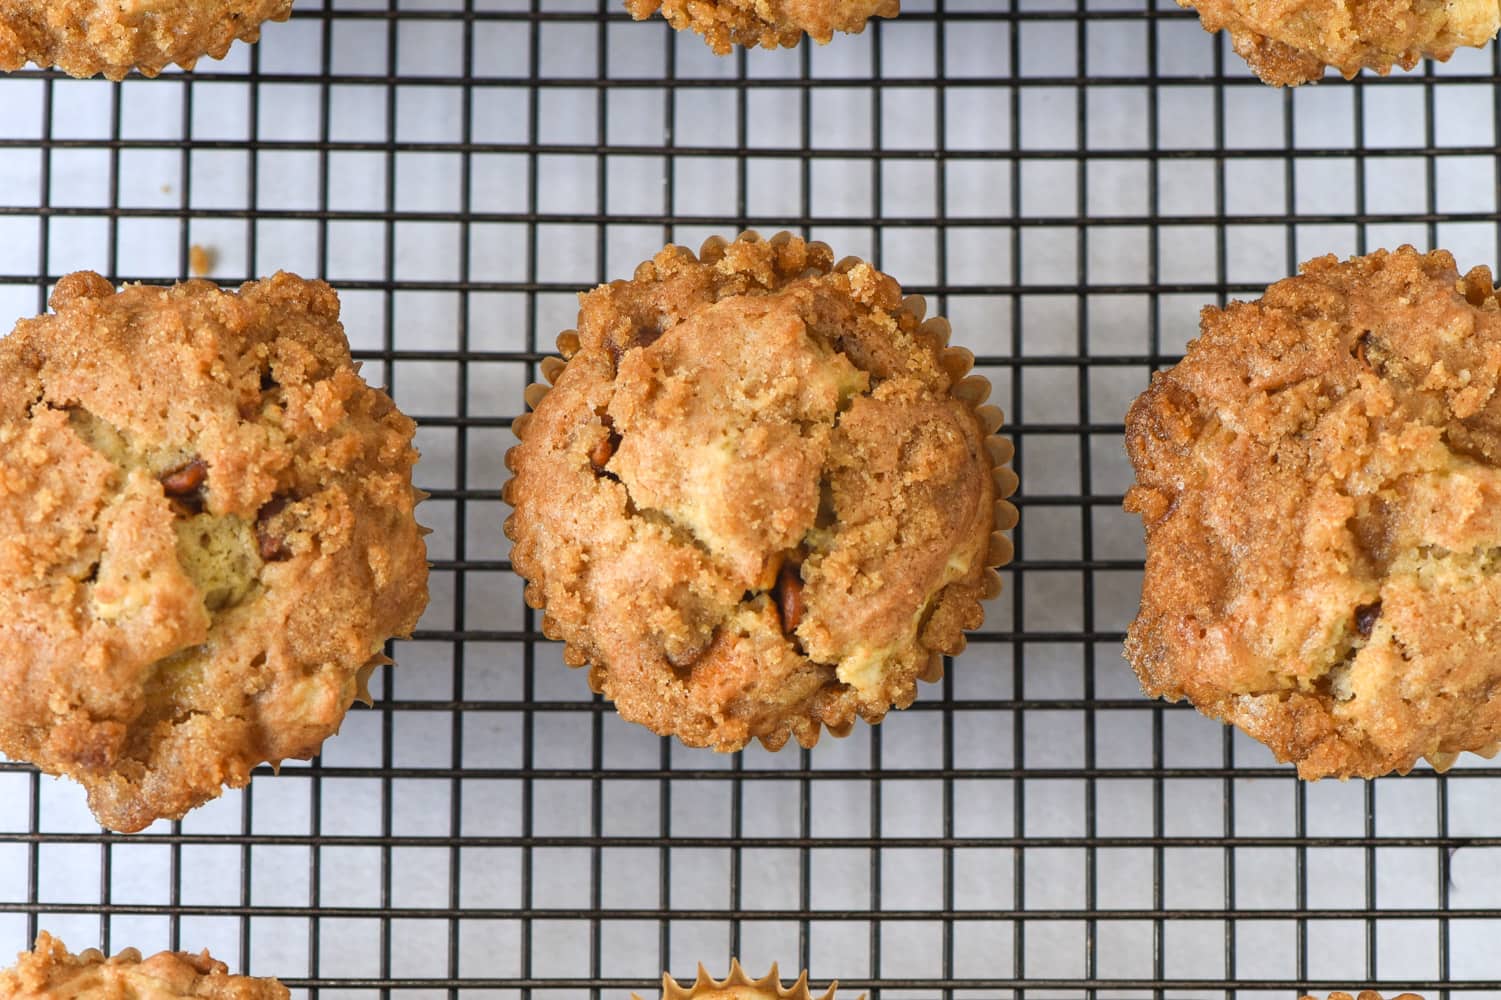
point(201, 260)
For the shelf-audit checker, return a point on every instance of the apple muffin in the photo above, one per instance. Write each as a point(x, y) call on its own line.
point(86, 38)
point(739, 986)
point(761, 496)
point(1320, 480)
point(768, 23)
point(49, 972)
point(1288, 42)
point(207, 535)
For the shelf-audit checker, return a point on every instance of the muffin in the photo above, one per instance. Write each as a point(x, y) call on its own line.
point(761, 495)
point(88, 37)
point(51, 973)
point(738, 986)
point(1288, 42)
point(1320, 487)
point(206, 537)
point(1366, 995)
point(768, 23)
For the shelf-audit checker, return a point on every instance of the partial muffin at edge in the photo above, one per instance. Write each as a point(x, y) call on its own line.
point(1365, 995)
point(50, 972)
point(768, 23)
point(747, 440)
point(1320, 481)
point(87, 38)
point(739, 986)
point(207, 534)
point(1289, 42)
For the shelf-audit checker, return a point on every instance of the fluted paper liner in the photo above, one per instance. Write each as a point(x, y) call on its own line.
point(1442, 760)
point(362, 678)
point(739, 986)
point(969, 388)
point(1362, 995)
point(973, 390)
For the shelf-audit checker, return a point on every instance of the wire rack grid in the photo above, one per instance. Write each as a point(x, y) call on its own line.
point(1069, 182)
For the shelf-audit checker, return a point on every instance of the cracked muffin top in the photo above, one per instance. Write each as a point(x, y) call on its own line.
point(49, 972)
point(206, 536)
point(759, 497)
point(112, 37)
point(767, 23)
point(739, 986)
point(1288, 42)
point(1320, 486)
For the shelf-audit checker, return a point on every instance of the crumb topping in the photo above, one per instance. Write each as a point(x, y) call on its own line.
point(1288, 42)
point(49, 972)
point(91, 37)
point(768, 23)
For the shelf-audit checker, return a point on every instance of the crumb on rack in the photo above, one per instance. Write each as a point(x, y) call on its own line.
point(201, 259)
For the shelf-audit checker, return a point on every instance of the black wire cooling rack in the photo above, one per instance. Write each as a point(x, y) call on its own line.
point(1069, 183)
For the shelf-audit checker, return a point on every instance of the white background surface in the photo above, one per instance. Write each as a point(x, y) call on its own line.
point(1069, 205)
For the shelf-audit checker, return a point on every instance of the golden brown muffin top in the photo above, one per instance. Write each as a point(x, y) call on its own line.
point(206, 535)
point(758, 497)
point(767, 23)
point(739, 986)
point(50, 973)
point(88, 37)
point(1288, 42)
point(1320, 486)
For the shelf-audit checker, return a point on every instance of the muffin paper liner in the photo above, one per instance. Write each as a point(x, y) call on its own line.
point(973, 390)
point(362, 679)
point(739, 986)
point(968, 387)
point(1442, 760)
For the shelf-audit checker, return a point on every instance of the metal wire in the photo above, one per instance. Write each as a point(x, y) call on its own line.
point(1069, 181)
